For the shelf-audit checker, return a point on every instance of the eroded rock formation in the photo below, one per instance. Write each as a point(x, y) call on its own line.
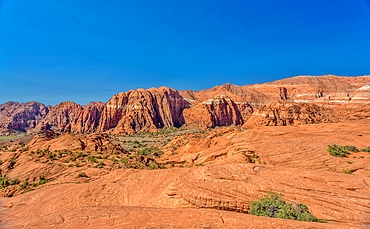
point(290, 113)
point(74, 118)
point(219, 111)
point(143, 110)
point(21, 116)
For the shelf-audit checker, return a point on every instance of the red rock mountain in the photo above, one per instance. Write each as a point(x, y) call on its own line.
point(219, 111)
point(72, 117)
point(21, 116)
point(143, 110)
point(155, 108)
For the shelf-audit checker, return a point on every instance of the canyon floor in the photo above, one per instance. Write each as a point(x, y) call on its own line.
point(203, 179)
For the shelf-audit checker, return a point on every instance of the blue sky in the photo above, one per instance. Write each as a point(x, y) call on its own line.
point(54, 51)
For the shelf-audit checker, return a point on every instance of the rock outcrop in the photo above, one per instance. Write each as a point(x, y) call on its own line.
point(143, 110)
point(290, 113)
point(74, 118)
point(75, 142)
point(219, 111)
point(21, 116)
point(155, 108)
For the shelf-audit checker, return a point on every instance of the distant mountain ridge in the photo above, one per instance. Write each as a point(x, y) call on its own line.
point(155, 108)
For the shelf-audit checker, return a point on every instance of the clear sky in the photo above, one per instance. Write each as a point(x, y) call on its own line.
point(87, 50)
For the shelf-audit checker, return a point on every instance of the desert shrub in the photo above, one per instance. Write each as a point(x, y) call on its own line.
point(23, 185)
point(51, 156)
point(114, 160)
point(151, 151)
point(12, 163)
point(1, 162)
point(124, 161)
point(338, 151)
point(3, 182)
point(273, 205)
point(346, 171)
point(82, 174)
point(351, 148)
point(92, 159)
point(101, 164)
point(367, 149)
point(152, 166)
point(14, 181)
point(42, 180)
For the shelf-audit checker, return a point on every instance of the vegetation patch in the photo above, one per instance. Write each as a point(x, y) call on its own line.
point(341, 151)
point(82, 174)
point(347, 171)
point(273, 205)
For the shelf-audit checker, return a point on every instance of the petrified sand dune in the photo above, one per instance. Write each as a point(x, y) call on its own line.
point(75, 142)
point(228, 187)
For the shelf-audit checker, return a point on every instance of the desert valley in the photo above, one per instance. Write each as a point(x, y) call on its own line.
point(163, 158)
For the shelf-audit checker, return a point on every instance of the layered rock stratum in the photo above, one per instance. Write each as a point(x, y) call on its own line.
point(21, 116)
point(143, 110)
point(155, 108)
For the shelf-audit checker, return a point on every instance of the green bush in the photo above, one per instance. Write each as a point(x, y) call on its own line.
point(92, 159)
point(346, 171)
point(3, 182)
point(151, 151)
point(82, 174)
point(124, 161)
point(338, 151)
point(352, 148)
point(23, 185)
point(14, 181)
point(367, 149)
point(42, 180)
point(272, 205)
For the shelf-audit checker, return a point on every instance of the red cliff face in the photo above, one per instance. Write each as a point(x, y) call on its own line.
point(72, 117)
point(219, 111)
point(290, 113)
point(143, 110)
point(21, 116)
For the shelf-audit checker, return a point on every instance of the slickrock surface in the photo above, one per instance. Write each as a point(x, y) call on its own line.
point(289, 114)
point(143, 110)
point(75, 142)
point(21, 116)
point(219, 111)
point(177, 192)
point(301, 146)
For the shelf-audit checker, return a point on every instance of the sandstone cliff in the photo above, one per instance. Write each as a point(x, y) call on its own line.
point(219, 111)
point(21, 116)
point(290, 113)
point(72, 117)
point(143, 110)
point(149, 110)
